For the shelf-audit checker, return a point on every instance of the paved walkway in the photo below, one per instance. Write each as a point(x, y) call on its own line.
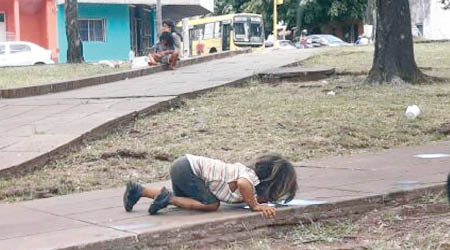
point(97, 220)
point(34, 128)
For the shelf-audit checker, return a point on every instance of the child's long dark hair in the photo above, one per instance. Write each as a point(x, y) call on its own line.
point(277, 177)
point(167, 36)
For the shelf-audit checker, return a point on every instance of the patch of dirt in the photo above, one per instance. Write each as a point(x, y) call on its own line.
point(163, 157)
point(443, 129)
point(124, 153)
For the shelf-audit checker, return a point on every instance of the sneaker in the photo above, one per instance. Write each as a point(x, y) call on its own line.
point(132, 194)
point(161, 201)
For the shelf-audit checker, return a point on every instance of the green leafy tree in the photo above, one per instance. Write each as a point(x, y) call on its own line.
point(445, 3)
point(307, 13)
point(323, 11)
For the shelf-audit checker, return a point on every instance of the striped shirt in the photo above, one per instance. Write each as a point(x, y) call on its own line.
point(217, 174)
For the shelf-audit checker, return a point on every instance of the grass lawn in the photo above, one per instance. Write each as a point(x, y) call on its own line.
point(237, 124)
point(433, 58)
point(16, 77)
point(422, 224)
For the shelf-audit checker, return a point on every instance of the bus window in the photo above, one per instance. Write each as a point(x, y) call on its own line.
point(255, 32)
point(209, 31)
point(197, 32)
point(217, 30)
point(239, 29)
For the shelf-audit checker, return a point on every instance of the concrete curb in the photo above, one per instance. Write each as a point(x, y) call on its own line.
point(106, 78)
point(433, 41)
point(248, 225)
point(296, 74)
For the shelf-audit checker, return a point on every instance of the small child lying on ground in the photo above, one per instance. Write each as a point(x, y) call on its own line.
point(201, 183)
point(164, 52)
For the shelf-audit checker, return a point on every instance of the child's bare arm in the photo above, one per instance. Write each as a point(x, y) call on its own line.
point(246, 190)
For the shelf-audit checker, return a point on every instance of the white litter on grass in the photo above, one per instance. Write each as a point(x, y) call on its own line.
point(139, 62)
point(432, 156)
point(412, 112)
point(111, 64)
point(331, 93)
point(294, 202)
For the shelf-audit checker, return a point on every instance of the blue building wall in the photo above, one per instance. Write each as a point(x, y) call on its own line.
point(117, 22)
point(153, 22)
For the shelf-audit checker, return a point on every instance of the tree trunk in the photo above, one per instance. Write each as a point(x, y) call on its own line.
point(299, 17)
point(394, 52)
point(74, 45)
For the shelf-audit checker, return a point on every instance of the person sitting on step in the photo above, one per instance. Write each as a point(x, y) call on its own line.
point(164, 52)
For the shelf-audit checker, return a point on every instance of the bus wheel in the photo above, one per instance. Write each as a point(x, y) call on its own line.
point(212, 51)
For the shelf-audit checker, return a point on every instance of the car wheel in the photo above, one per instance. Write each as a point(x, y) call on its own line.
point(39, 63)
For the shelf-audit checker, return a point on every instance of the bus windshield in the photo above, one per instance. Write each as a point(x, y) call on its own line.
point(248, 30)
point(255, 32)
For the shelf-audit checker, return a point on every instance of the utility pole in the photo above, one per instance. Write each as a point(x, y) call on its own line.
point(186, 48)
point(275, 19)
point(158, 18)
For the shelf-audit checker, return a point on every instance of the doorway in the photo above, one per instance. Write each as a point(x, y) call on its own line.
point(226, 28)
point(2, 26)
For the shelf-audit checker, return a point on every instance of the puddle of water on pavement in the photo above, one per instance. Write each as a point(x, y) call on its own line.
point(407, 185)
point(295, 202)
point(432, 156)
point(132, 227)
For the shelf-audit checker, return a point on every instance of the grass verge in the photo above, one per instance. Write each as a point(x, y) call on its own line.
point(16, 77)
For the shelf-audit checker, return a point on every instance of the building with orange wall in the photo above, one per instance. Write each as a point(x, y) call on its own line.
point(29, 20)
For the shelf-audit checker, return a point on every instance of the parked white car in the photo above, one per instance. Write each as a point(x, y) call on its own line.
point(23, 53)
point(326, 40)
point(284, 44)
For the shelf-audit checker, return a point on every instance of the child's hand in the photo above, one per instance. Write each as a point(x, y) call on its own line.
point(269, 212)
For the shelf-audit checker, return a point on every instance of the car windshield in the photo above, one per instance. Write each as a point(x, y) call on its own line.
point(332, 39)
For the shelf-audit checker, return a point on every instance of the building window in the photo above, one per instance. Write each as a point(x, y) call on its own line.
point(92, 30)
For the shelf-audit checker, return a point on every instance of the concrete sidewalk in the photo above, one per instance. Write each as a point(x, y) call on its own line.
point(34, 129)
point(97, 220)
